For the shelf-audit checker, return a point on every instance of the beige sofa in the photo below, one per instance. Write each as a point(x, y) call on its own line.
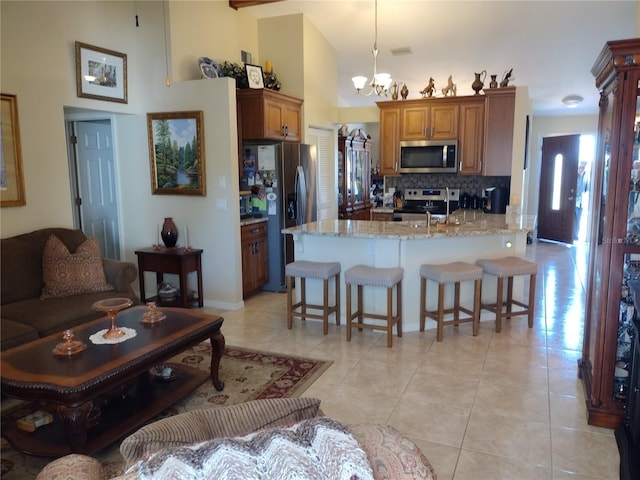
point(389, 454)
point(25, 316)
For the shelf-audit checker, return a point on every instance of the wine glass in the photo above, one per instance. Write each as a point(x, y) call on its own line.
point(112, 306)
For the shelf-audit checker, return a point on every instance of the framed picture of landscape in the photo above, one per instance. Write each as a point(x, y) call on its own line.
point(176, 151)
point(100, 73)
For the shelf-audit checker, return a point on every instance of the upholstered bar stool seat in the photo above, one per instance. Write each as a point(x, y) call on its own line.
point(388, 278)
point(510, 267)
point(450, 273)
point(304, 269)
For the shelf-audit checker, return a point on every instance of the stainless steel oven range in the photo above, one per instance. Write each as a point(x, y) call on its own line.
point(418, 201)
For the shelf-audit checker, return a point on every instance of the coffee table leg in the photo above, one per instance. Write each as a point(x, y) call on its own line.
point(75, 423)
point(217, 349)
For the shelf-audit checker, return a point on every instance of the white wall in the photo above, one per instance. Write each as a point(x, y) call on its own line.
point(38, 65)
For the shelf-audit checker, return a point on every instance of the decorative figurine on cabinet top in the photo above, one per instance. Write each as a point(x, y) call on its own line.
point(506, 78)
point(450, 89)
point(429, 89)
point(404, 91)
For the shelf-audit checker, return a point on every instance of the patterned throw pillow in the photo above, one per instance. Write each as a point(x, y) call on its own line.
point(67, 274)
point(315, 449)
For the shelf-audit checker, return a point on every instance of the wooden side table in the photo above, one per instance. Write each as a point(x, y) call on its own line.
point(171, 260)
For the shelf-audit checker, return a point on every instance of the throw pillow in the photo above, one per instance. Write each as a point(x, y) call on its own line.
point(67, 274)
point(315, 449)
point(204, 424)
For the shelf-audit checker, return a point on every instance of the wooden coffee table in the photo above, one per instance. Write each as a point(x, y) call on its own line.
point(106, 391)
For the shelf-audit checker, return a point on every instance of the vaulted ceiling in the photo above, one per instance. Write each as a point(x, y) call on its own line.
point(551, 45)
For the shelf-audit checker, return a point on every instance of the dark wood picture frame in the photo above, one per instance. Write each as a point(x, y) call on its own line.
point(101, 74)
point(11, 176)
point(176, 153)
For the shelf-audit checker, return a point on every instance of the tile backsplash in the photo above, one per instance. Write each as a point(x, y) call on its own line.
point(471, 184)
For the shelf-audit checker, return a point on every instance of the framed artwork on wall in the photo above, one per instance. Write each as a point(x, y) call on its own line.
point(101, 74)
point(176, 152)
point(11, 177)
point(254, 75)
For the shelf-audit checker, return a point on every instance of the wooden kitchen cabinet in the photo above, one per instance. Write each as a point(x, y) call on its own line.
point(354, 177)
point(267, 114)
point(382, 216)
point(389, 137)
point(500, 104)
point(471, 136)
point(255, 260)
point(429, 119)
point(614, 239)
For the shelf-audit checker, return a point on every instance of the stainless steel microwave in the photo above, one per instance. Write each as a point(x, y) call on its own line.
point(429, 156)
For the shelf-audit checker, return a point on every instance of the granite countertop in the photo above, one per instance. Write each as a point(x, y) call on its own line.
point(252, 220)
point(469, 225)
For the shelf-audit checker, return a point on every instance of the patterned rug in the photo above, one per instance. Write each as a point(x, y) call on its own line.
point(247, 375)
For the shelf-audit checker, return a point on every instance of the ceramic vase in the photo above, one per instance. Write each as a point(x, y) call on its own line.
point(169, 233)
point(494, 81)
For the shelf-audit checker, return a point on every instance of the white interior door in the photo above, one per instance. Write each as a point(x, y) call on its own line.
point(95, 185)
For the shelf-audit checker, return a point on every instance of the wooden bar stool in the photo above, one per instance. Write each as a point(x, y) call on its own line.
point(444, 274)
point(378, 277)
point(510, 267)
point(304, 269)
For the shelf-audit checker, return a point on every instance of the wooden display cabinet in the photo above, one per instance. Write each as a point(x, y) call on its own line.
point(354, 177)
point(267, 114)
point(614, 255)
point(255, 259)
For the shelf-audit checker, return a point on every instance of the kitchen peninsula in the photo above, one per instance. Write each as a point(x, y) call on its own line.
point(471, 235)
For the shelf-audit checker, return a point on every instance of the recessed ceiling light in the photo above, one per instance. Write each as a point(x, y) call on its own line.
point(572, 101)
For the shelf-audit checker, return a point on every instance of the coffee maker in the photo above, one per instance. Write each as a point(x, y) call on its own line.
point(497, 200)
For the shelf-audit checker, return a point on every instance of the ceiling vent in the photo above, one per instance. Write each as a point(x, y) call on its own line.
point(401, 51)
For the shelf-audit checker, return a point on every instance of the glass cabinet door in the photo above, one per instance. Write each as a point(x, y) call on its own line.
point(358, 176)
point(340, 179)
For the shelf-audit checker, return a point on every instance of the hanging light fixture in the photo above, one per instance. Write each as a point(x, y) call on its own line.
point(380, 82)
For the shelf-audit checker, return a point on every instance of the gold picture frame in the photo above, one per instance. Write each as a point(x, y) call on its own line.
point(11, 177)
point(101, 74)
point(176, 152)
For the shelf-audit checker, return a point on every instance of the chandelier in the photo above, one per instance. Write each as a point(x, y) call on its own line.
point(380, 82)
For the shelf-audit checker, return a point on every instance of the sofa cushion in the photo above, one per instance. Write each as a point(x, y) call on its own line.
point(58, 314)
point(66, 274)
point(73, 467)
point(391, 455)
point(15, 333)
point(204, 424)
point(313, 449)
point(21, 259)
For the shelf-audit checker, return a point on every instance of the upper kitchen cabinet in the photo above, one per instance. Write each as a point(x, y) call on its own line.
point(429, 119)
point(267, 114)
point(471, 136)
point(500, 104)
point(389, 137)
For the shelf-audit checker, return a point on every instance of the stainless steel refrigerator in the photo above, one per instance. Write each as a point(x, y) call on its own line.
point(282, 177)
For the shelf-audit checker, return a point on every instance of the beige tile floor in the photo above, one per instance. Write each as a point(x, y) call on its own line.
point(495, 406)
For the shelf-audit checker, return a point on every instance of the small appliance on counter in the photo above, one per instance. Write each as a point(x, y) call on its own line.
point(246, 210)
point(497, 200)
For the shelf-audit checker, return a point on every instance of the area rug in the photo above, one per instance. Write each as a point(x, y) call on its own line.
point(247, 375)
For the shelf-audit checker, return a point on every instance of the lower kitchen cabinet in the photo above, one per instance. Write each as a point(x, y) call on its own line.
point(255, 257)
point(382, 216)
